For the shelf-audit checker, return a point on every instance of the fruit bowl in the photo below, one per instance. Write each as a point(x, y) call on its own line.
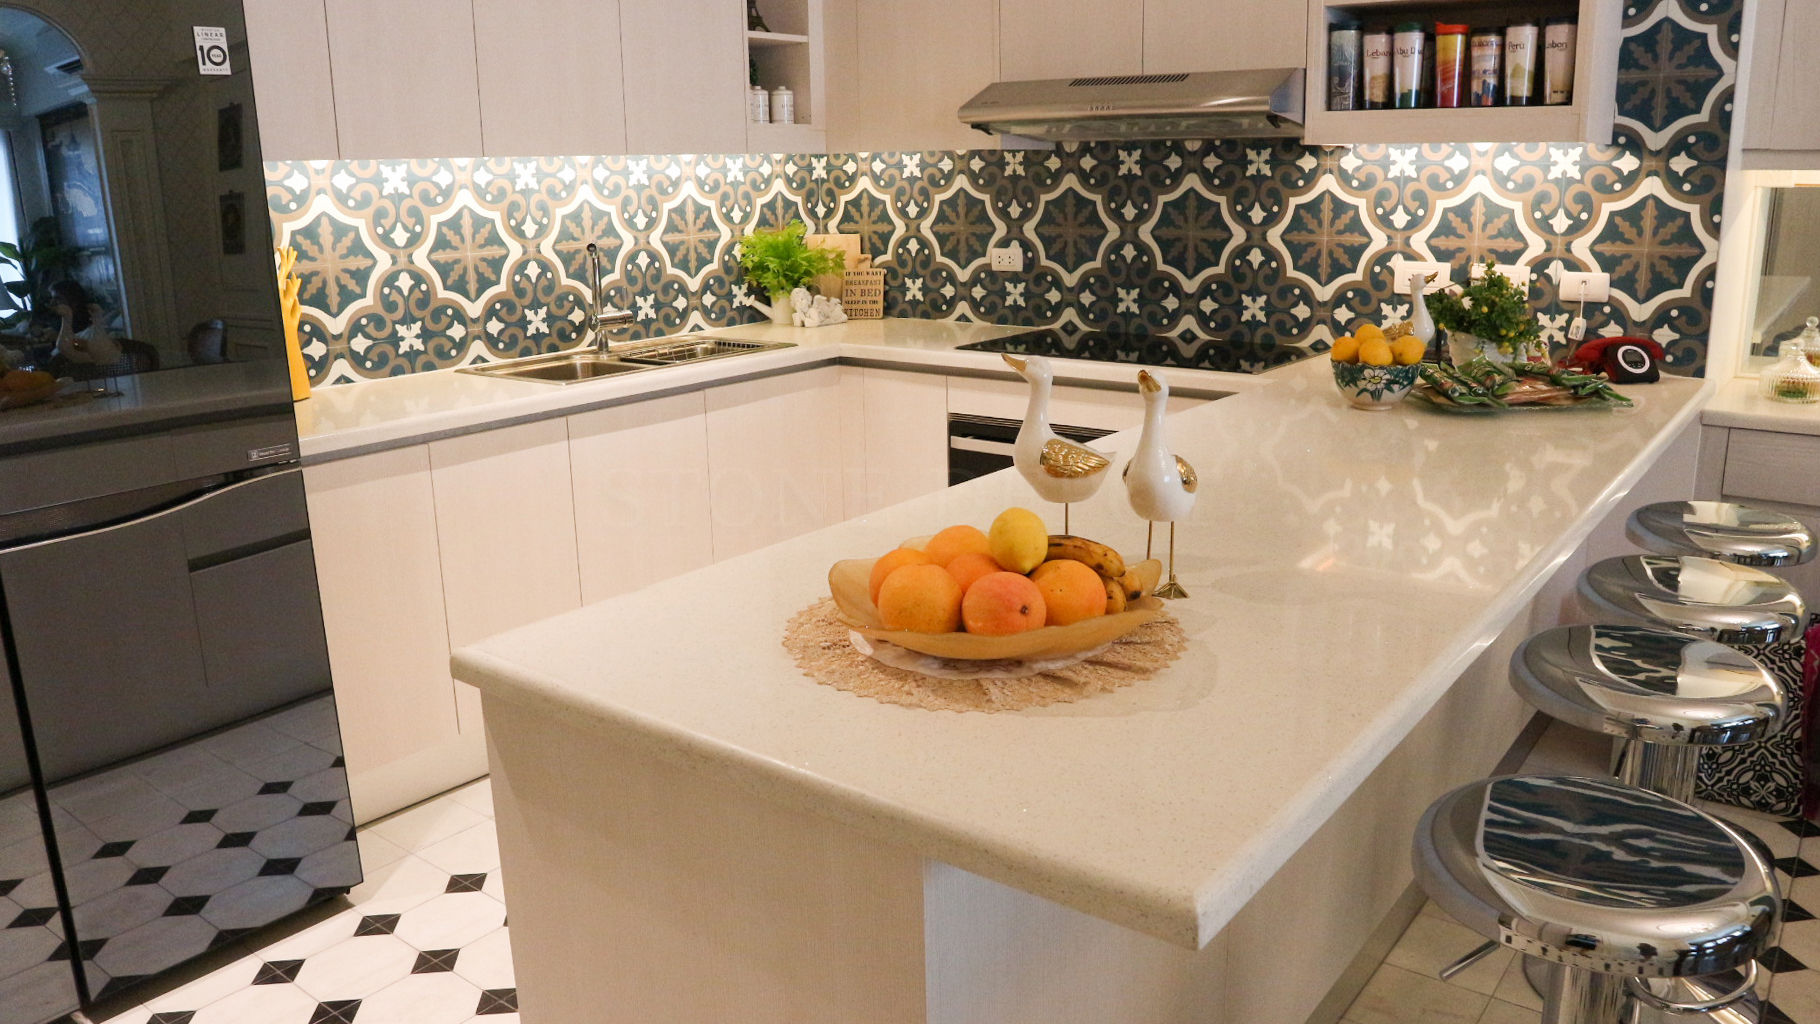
point(1374, 388)
point(847, 581)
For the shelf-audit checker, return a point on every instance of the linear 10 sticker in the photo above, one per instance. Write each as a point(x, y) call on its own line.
point(212, 51)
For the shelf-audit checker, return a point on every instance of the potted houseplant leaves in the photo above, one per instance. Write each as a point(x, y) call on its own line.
point(779, 261)
point(1489, 317)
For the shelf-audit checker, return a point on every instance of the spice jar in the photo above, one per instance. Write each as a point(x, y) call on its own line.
point(1792, 379)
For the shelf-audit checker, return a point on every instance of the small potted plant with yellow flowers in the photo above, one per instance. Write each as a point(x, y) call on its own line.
point(1488, 317)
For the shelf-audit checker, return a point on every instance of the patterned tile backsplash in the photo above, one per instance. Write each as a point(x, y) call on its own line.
point(425, 264)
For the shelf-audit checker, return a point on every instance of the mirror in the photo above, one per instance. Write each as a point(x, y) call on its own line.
point(1788, 281)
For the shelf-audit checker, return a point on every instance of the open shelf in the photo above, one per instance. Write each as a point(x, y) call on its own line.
point(1588, 119)
point(760, 40)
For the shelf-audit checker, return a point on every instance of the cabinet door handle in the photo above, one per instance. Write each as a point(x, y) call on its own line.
point(974, 444)
point(157, 513)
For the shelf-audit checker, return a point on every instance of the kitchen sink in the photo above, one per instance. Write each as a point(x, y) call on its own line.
point(567, 368)
point(671, 352)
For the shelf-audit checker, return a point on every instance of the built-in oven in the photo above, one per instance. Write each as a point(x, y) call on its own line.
point(978, 445)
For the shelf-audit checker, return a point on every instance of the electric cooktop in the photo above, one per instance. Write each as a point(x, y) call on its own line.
point(1145, 349)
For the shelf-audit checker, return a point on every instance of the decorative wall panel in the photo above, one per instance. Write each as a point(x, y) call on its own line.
point(416, 265)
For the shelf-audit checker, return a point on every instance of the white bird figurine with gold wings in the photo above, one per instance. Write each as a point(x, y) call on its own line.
point(1160, 483)
point(1059, 469)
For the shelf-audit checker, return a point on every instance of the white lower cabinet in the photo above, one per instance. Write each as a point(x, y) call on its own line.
point(641, 493)
point(373, 521)
point(505, 519)
point(902, 435)
point(774, 459)
point(1768, 469)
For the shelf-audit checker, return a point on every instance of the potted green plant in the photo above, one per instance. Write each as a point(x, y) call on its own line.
point(1489, 317)
point(779, 261)
point(39, 259)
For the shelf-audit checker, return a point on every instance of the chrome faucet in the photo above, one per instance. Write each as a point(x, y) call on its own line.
point(603, 323)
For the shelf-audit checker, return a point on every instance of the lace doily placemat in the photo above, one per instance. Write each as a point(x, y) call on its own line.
point(819, 643)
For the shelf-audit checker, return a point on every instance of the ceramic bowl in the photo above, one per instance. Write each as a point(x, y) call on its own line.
point(847, 581)
point(1375, 388)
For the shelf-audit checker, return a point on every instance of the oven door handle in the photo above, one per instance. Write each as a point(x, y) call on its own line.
point(158, 512)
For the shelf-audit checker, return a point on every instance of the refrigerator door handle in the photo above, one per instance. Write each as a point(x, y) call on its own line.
point(157, 513)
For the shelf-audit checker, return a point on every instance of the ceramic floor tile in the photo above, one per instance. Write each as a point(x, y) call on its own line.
point(487, 961)
point(1396, 996)
point(472, 850)
point(376, 851)
point(260, 1004)
point(440, 998)
point(208, 988)
point(1501, 1012)
point(321, 927)
point(408, 882)
point(1514, 987)
point(355, 968)
point(415, 828)
point(451, 921)
point(1431, 943)
point(477, 795)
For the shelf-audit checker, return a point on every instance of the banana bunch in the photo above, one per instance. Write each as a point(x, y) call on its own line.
point(1122, 586)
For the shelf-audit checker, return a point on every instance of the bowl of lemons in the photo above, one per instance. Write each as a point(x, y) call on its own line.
point(1375, 368)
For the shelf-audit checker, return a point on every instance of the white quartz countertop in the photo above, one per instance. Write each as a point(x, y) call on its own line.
point(1736, 403)
point(347, 419)
point(1345, 567)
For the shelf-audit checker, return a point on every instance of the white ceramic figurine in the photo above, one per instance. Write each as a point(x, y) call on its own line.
point(1059, 469)
point(1159, 482)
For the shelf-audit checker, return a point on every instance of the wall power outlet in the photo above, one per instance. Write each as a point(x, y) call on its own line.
point(1008, 259)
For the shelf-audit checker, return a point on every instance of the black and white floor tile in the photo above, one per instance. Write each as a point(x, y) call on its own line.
point(422, 941)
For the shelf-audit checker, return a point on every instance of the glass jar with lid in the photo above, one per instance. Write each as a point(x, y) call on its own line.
point(1792, 378)
point(1810, 340)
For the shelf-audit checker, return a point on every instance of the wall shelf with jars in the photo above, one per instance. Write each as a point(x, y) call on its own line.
point(1431, 49)
point(784, 54)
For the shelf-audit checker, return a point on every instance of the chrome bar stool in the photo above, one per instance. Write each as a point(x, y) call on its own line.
point(1727, 531)
point(1666, 695)
point(1613, 885)
point(1704, 597)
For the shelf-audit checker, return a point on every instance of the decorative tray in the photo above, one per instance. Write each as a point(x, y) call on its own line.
point(1482, 387)
point(847, 581)
point(1426, 395)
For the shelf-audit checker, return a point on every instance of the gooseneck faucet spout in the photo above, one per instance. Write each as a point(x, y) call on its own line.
point(603, 323)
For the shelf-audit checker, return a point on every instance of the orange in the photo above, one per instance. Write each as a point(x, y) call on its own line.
point(955, 541)
point(1071, 590)
point(970, 566)
point(1002, 603)
point(921, 599)
point(890, 563)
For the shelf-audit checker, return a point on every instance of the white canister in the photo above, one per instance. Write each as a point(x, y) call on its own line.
point(783, 105)
point(758, 105)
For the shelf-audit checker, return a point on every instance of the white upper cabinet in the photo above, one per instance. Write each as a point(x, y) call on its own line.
point(549, 92)
point(1222, 35)
point(288, 41)
point(1783, 116)
point(405, 80)
point(685, 75)
point(905, 70)
point(1070, 38)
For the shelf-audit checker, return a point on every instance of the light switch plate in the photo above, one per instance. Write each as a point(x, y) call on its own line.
point(1401, 269)
point(1008, 259)
point(1519, 276)
point(1576, 286)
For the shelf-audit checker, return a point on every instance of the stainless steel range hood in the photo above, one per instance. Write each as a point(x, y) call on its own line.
point(1201, 105)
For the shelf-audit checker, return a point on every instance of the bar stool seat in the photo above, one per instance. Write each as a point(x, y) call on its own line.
point(1608, 881)
point(1648, 685)
point(1731, 604)
point(1727, 531)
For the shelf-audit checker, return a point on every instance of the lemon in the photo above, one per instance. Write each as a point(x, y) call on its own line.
point(1375, 353)
point(1346, 349)
point(1369, 332)
point(1019, 541)
point(1408, 351)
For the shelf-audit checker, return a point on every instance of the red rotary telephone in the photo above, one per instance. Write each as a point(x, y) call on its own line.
point(1622, 360)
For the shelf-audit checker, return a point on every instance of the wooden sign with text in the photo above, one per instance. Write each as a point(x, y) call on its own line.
point(863, 294)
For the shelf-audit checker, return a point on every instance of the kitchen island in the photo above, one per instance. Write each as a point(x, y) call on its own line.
point(692, 830)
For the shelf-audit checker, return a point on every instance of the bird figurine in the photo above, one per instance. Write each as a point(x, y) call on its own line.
point(1059, 469)
point(1160, 483)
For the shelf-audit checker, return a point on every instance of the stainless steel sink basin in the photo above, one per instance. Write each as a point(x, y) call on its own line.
point(575, 367)
point(671, 351)
point(566, 368)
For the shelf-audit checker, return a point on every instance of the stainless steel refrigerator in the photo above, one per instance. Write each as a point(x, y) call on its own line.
point(170, 761)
